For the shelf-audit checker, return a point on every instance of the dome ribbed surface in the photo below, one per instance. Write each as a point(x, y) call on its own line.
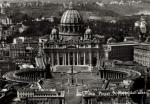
point(71, 17)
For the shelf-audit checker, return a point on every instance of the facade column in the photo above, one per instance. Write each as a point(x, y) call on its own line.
point(122, 75)
point(88, 101)
point(109, 75)
point(74, 59)
point(69, 29)
point(63, 101)
point(57, 58)
point(98, 62)
point(68, 58)
point(65, 58)
point(100, 74)
point(106, 75)
point(52, 59)
point(77, 58)
point(114, 76)
point(90, 59)
point(84, 58)
point(117, 75)
point(78, 28)
point(91, 101)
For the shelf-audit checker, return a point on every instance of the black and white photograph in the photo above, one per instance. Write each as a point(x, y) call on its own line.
point(74, 51)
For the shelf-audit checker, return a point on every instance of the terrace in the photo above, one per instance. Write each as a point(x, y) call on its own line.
point(78, 68)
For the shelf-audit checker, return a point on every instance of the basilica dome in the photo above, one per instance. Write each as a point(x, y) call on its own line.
point(71, 21)
point(71, 17)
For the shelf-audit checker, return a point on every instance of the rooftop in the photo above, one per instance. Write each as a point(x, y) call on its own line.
point(122, 44)
point(144, 46)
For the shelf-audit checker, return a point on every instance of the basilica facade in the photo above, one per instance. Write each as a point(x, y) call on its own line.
point(71, 43)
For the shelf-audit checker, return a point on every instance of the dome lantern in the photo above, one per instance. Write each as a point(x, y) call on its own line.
point(70, 5)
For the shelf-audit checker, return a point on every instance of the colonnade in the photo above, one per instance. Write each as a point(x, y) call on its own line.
point(108, 100)
point(34, 75)
point(45, 100)
point(111, 75)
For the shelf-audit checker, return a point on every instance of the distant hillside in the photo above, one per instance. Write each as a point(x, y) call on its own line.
point(114, 10)
point(61, 1)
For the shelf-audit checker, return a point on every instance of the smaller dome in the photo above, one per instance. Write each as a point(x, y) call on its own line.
point(88, 31)
point(111, 40)
point(54, 31)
